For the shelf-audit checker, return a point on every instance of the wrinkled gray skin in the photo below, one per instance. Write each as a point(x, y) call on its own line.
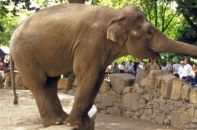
point(83, 39)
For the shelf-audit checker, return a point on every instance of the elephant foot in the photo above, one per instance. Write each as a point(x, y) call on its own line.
point(56, 120)
point(78, 124)
point(63, 115)
point(49, 122)
point(75, 124)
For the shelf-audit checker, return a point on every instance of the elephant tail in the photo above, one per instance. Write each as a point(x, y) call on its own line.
point(13, 81)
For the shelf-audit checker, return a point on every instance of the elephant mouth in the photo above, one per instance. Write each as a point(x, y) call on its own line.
point(155, 54)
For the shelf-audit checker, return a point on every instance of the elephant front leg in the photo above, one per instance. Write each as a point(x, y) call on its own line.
point(53, 113)
point(87, 88)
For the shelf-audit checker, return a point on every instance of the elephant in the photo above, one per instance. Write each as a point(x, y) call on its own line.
point(83, 39)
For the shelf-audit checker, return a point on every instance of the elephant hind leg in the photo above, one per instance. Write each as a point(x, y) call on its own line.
point(44, 90)
point(48, 102)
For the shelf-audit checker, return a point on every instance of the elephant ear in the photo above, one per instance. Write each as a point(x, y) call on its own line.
point(116, 32)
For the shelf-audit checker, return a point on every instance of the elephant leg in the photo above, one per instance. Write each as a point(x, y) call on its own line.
point(85, 94)
point(94, 94)
point(48, 102)
point(44, 90)
point(55, 113)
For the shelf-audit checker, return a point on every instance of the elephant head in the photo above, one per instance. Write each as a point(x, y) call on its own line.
point(131, 30)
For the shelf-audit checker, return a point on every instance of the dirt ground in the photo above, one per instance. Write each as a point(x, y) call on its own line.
point(25, 116)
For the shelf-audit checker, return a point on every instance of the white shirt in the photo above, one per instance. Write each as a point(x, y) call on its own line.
point(181, 72)
point(141, 65)
point(176, 68)
point(185, 70)
point(121, 67)
point(129, 66)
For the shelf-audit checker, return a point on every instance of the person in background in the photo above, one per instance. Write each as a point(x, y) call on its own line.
point(191, 78)
point(6, 64)
point(181, 70)
point(128, 67)
point(152, 65)
point(193, 71)
point(176, 68)
point(187, 68)
point(121, 67)
point(1, 64)
point(135, 66)
point(168, 67)
point(114, 68)
point(141, 65)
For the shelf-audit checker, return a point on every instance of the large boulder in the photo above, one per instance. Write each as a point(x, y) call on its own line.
point(186, 89)
point(176, 89)
point(166, 86)
point(105, 86)
point(193, 96)
point(149, 82)
point(119, 81)
point(141, 74)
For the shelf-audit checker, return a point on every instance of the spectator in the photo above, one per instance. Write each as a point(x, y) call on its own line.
point(114, 68)
point(187, 68)
point(141, 65)
point(168, 67)
point(181, 70)
point(1, 64)
point(128, 67)
point(193, 71)
point(191, 78)
point(152, 65)
point(176, 68)
point(135, 66)
point(6, 63)
point(121, 67)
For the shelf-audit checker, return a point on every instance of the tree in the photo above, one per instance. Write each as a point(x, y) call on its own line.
point(188, 8)
point(8, 20)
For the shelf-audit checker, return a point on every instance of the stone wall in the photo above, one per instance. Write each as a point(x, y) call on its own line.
point(159, 98)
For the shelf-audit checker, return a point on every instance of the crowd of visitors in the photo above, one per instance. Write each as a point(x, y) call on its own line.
point(181, 69)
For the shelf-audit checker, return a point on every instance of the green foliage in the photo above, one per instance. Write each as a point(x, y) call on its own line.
point(10, 17)
point(125, 58)
point(188, 8)
point(8, 24)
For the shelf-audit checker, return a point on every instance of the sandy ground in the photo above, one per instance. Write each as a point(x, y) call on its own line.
point(25, 116)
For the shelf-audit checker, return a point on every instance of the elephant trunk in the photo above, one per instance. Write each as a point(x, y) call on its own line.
point(181, 47)
point(163, 44)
